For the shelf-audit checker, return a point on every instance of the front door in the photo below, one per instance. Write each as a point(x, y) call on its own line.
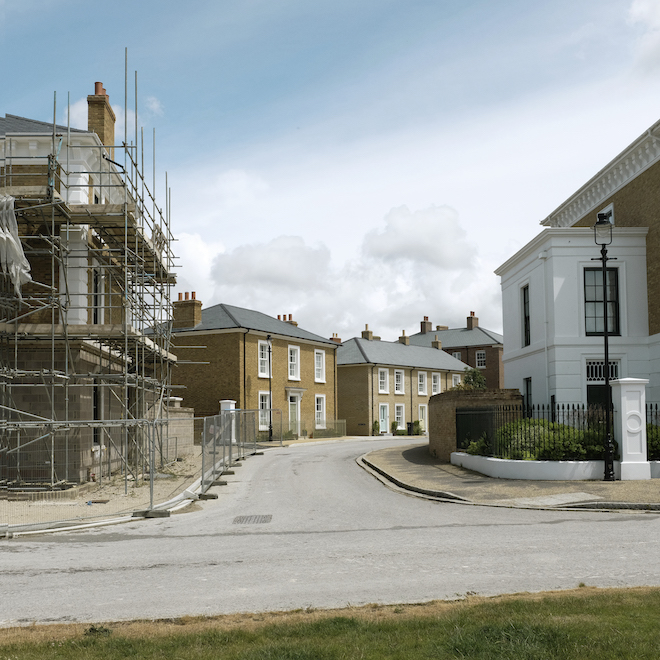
point(294, 414)
point(384, 418)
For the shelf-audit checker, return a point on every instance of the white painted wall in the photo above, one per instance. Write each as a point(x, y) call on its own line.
point(552, 265)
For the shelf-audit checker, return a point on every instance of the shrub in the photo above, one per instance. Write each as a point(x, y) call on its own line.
point(479, 447)
point(472, 380)
point(417, 428)
point(375, 427)
point(539, 439)
point(653, 442)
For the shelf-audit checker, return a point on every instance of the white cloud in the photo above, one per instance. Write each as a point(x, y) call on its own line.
point(285, 262)
point(433, 236)
point(388, 288)
point(646, 13)
point(196, 255)
point(154, 106)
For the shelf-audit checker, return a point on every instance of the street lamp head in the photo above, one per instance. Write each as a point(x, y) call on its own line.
point(603, 229)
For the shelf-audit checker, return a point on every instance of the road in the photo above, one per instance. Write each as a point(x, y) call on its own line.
point(336, 536)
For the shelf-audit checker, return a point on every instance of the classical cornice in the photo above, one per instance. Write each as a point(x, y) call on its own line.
point(629, 164)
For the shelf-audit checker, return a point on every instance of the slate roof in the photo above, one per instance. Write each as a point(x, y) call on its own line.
point(365, 351)
point(458, 337)
point(15, 124)
point(222, 317)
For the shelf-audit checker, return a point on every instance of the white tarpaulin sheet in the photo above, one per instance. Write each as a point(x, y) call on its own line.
point(12, 257)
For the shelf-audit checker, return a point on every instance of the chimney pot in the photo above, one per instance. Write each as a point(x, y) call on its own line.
point(98, 88)
point(193, 295)
point(290, 317)
point(425, 326)
point(279, 317)
point(187, 298)
point(180, 295)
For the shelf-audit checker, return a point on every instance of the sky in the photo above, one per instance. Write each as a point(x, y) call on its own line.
point(350, 162)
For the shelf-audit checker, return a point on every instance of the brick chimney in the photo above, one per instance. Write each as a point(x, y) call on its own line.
point(290, 320)
point(472, 321)
point(100, 117)
point(403, 339)
point(335, 338)
point(187, 311)
point(436, 343)
point(425, 325)
point(442, 327)
point(366, 333)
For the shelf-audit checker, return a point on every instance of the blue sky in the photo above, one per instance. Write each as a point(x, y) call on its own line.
point(353, 161)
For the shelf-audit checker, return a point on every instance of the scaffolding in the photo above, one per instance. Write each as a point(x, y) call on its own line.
point(85, 338)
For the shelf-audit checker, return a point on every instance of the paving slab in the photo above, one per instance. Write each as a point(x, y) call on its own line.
point(412, 467)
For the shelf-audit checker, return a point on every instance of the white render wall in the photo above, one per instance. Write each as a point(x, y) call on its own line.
point(552, 265)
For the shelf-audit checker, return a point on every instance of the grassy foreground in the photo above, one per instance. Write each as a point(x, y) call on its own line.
point(583, 623)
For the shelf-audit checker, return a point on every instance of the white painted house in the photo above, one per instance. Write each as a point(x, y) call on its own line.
point(552, 288)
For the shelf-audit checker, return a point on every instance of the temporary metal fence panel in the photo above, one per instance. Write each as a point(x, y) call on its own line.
point(544, 432)
point(231, 436)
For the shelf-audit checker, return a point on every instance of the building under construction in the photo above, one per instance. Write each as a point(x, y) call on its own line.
point(85, 284)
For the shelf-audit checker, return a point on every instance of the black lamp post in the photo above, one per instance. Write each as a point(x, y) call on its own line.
point(603, 237)
point(270, 388)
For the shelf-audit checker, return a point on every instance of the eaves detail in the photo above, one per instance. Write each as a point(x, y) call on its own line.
point(621, 171)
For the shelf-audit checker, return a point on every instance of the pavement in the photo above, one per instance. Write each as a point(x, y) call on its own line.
point(413, 469)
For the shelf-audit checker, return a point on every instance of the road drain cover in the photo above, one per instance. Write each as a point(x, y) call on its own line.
point(252, 520)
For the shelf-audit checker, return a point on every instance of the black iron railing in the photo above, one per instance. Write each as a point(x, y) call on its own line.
point(544, 432)
point(653, 431)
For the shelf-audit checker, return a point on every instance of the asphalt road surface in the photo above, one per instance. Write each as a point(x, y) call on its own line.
point(304, 526)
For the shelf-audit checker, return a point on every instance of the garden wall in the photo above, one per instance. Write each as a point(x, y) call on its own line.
point(502, 468)
point(442, 415)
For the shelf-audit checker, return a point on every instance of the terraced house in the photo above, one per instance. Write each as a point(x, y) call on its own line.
point(386, 384)
point(258, 361)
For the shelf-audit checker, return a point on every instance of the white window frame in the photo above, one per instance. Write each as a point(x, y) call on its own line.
point(400, 419)
point(386, 408)
point(319, 372)
point(294, 365)
point(436, 378)
point(480, 359)
point(386, 388)
point(264, 419)
point(422, 383)
point(455, 379)
point(399, 385)
point(423, 417)
point(264, 362)
point(457, 355)
point(319, 421)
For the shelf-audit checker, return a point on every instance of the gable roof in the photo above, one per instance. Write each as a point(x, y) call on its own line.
point(365, 351)
point(16, 124)
point(458, 337)
point(225, 317)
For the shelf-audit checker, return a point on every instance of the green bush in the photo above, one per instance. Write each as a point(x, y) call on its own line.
point(541, 440)
point(375, 427)
point(653, 442)
point(479, 447)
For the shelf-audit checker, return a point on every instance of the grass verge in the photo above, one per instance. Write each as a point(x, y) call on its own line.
point(583, 623)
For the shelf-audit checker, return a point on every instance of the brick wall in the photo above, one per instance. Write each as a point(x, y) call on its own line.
point(354, 398)
point(442, 415)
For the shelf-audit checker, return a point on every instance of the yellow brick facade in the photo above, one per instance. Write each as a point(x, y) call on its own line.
point(233, 373)
point(360, 397)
